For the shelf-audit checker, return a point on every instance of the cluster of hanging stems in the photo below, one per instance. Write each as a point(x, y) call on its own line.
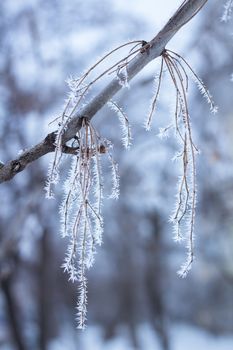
point(183, 217)
point(81, 217)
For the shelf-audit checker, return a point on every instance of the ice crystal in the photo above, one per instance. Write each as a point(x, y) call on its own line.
point(227, 12)
point(124, 123)
point(115, 178)
point(122, 77)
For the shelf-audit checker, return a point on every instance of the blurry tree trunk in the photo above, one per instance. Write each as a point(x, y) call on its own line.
point(153, 275)
point(13, 315)
point(44, 295)
point(129, 300)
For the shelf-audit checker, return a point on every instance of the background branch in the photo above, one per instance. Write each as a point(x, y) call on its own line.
point(149, 52)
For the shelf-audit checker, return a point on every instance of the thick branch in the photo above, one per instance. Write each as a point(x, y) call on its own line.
point(152, 50)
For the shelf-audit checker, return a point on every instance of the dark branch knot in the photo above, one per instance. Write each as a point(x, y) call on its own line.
point(16, 166)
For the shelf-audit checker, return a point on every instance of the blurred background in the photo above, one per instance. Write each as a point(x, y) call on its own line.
point(136, 299)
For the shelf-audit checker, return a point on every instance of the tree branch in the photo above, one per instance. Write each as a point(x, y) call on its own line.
point(149, 52)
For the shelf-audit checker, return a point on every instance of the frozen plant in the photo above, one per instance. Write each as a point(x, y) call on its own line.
point(81, 214)
point(183, 217)
point(80, 211)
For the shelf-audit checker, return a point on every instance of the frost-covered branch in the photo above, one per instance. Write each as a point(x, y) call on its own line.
point(146, 54)
point(15, 166)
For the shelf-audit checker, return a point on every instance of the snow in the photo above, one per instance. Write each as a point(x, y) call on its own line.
point(194, 338)
point(182, 337)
